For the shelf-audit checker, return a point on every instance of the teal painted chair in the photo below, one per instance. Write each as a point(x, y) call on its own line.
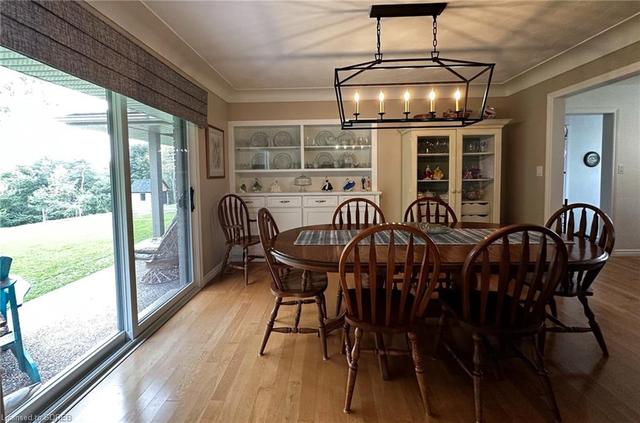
point(12, 292)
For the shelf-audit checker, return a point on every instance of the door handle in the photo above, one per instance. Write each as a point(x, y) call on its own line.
point(192, 194)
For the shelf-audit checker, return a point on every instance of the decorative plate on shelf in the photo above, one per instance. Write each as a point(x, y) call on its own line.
point(282, 139)
point(324, 138)
point(348, 160)
point(324, 160)
point(282, 161)
point(259, 161)
point(346, 138)
point(259, 139)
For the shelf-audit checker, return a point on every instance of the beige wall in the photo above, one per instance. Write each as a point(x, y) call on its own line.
point(212, 189)
point(389, 147)
point(523, 197)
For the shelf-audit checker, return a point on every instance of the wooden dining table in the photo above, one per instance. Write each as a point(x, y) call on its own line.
point(583, 254)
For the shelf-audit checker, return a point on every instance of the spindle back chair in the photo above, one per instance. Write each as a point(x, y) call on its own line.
point(430, 210)
point(580, 222)
point(383, 305)
point(355, 213)
point(506, 301)
point(233, 216)
point(304, 287)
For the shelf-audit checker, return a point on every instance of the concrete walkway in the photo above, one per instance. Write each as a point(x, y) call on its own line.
point(63, 325)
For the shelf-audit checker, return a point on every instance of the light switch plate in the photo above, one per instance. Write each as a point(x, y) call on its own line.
point(620, 168)
point(539, 170)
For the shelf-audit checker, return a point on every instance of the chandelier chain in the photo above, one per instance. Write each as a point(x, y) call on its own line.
point(435, 52)
point(378, 55)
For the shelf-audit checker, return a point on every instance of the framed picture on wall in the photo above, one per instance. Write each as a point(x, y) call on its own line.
point(215, 152)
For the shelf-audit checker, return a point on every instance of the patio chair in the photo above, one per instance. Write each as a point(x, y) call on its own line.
point(12, 293)
point(160, 256)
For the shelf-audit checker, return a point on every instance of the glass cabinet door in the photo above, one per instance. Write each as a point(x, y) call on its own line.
point(434, 166)
point(477, 177)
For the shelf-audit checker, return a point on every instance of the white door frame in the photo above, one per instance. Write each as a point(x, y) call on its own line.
point(592, 110)
point(553, 177)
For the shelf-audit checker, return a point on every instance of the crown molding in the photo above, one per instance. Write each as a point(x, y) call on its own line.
point(611, 39)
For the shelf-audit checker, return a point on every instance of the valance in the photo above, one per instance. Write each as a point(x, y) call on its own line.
point(67, 36)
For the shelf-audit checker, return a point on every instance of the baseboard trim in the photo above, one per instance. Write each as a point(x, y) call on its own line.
point(628, 252)
point(211, 274)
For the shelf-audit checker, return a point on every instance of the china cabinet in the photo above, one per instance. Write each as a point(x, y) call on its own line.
point(462, 166)
point(269, 158)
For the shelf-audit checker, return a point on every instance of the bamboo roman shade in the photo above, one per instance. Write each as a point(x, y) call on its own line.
point(68, 37)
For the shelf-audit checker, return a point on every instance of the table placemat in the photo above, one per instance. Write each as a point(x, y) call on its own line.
point(456, 236)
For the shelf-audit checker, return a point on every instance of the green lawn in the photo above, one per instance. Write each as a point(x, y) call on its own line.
point(52, 254)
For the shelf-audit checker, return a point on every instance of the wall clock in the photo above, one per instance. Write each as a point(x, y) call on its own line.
point(591, 159)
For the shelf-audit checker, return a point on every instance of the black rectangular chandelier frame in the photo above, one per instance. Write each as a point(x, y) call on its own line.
point(343, 78)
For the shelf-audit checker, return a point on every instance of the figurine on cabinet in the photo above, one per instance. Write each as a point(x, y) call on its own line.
point(327, 185)
point(349, 184)
point(243, 188)
point(363, 181)
point(368, 184)
point(428, 173)
point(275, 187)
point(257, 186)
point(467, 174)
point(438, 174)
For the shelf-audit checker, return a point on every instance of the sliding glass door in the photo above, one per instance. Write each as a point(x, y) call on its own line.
point(95, 226)
point(158, 162)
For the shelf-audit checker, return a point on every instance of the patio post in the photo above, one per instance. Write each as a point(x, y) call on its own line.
point(155, 165)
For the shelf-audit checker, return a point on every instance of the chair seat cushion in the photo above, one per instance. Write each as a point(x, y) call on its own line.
point(451, 299)
point(315, 283)
point(396, 321)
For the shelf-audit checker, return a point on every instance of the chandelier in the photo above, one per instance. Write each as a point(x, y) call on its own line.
point(412, 92)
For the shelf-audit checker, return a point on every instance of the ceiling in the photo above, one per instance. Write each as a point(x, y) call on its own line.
point(267, 45)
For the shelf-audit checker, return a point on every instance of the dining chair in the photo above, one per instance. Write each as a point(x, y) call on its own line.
point(291, 287)
point(384, 306)
point(364, 212)
point(355, 213)
point(507, 280)
point(236, 226)
point(594, 226)
point(430, 210)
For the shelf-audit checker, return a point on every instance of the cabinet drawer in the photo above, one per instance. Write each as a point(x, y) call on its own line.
point(476, 208)
point(254, 202)
point(366, 197)
point(321, 201)
point(284, 202)
point(477, 218)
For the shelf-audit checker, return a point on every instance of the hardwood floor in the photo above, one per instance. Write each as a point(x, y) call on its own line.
point(203, 366)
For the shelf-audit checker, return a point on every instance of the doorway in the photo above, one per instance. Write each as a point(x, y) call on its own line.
point(588, 159)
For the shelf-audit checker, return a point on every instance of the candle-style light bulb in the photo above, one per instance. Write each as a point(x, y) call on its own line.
point(457, 96)
point(381, 99)
point(432, 99)
point(407, 97)
point(356, 98)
